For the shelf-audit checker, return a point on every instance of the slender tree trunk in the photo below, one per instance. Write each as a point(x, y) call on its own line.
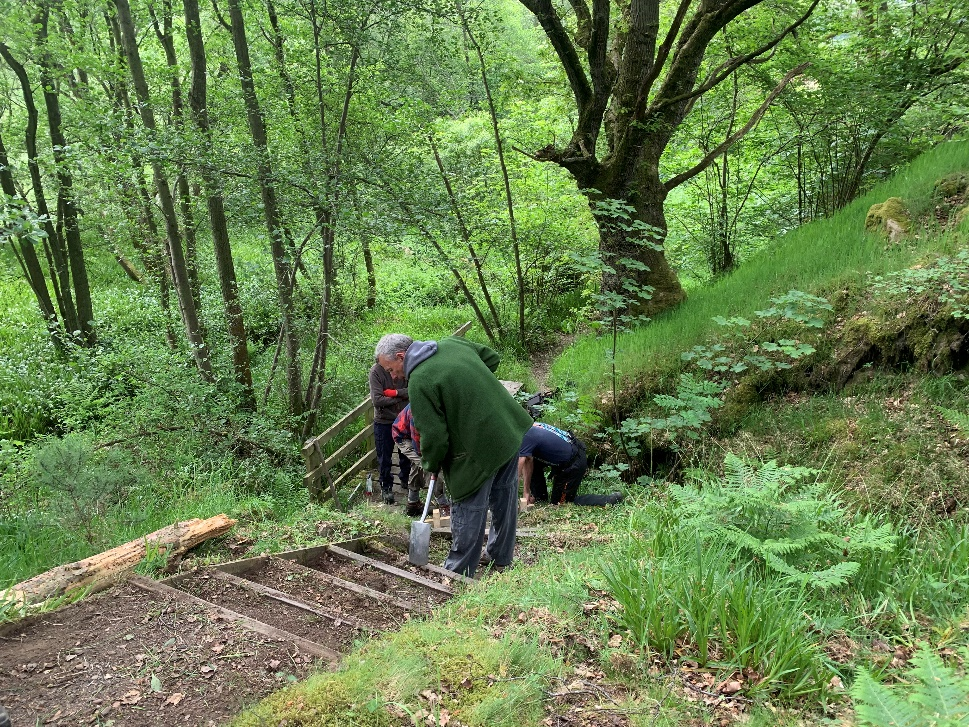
point(163, 29)
point(257, 129)
point(66, 204)
point(512, 225)
point(27, 257)
point(466, 236)
point(147, 240)
point(183, 289)
point(53, 245)
point(216, 208)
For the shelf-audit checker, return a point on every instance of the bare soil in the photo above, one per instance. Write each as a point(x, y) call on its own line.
point(127, 657)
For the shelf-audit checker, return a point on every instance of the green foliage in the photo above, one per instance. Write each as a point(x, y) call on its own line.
point(799, 307)
point(947, 278)
point(81, 485)
point(722, 361)
point(19, 223)
point(955, 418)
point(680, 596)
point(773, 516)
point(934, 695)
point(687, 412)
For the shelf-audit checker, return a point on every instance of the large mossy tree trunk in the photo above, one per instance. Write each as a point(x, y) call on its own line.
point(636, 84)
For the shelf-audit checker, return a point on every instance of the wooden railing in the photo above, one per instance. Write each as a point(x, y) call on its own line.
point(320, 479)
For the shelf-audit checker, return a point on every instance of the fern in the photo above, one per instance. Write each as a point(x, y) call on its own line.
point(955, 418)
point(792, 526)
point(936, 696)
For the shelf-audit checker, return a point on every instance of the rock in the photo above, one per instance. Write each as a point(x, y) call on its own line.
point(951, 185)
point(891, 218)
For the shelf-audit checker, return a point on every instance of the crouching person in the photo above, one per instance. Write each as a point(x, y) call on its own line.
point(408, 441)
point(545, 446)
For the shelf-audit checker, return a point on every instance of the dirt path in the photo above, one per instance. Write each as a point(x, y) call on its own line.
point(541, 361)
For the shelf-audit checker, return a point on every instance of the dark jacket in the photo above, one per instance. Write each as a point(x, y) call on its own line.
point(470, 425)
point(386, 408)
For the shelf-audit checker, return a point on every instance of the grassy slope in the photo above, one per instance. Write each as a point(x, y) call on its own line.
point(543, 639)
point(818, 257)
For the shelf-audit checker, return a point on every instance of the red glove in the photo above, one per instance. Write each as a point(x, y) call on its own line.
point(390, 392)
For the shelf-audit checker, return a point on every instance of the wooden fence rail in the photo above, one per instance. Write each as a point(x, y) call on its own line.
point(320, 479)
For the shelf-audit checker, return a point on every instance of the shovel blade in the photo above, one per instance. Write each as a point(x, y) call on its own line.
point(420, 543)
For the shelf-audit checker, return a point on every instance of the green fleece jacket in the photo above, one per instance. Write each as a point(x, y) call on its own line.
point(470, 425)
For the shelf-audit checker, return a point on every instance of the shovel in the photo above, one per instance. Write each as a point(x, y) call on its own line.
point(420, 532)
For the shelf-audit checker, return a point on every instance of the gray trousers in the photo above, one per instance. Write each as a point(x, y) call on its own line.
point(417, 477)
point(499, 493)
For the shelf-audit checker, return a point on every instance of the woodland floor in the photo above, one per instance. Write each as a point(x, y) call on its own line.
point(127, 657)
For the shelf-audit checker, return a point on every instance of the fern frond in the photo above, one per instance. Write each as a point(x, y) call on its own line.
point(943, 694)
point(862, 536)
point(836, 575)
point(955, 418)
point(877, 705)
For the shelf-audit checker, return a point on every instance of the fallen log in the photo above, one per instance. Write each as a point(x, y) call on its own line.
point(100, 571)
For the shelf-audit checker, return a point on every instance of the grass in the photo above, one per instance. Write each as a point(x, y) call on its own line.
point(818, 258)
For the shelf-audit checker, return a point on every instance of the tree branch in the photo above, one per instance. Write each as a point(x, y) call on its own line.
point(552, 25)
point(733, 138)
point(725, 69)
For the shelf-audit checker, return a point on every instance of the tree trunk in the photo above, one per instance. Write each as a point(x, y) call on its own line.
point(163, 29)
point(27, 256)
point(136, 198)
point(66, 204)
point(100, 571)
point(284, 280)
point(645, 245)
point(183, 289)
point(53, 245)
point(216, 208)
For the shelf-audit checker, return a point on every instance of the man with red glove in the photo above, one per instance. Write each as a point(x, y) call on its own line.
point(389, 394)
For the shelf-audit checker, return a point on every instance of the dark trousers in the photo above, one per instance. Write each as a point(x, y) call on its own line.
point(565, 478)
point(384, 443)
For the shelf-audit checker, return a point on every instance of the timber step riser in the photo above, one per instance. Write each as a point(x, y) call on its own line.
point(244, 576)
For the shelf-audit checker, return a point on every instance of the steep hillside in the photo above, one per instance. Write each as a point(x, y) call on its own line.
point(794, 545)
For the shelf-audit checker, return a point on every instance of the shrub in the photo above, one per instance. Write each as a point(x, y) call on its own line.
point(772, 515)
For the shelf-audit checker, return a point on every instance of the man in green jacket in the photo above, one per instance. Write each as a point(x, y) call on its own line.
point(471, 429)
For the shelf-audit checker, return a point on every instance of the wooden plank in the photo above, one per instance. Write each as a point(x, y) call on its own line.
point(310, 647)
point(400, 573)
point(359, 410)
point(356, 587)
point(447, 573)
point(355, 441)
point(235, 567)
point(463, 329)
point(356, 468)
point(317, 493)
point(282, 597)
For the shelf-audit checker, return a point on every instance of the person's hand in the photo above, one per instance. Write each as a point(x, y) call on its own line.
point(390, 392)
